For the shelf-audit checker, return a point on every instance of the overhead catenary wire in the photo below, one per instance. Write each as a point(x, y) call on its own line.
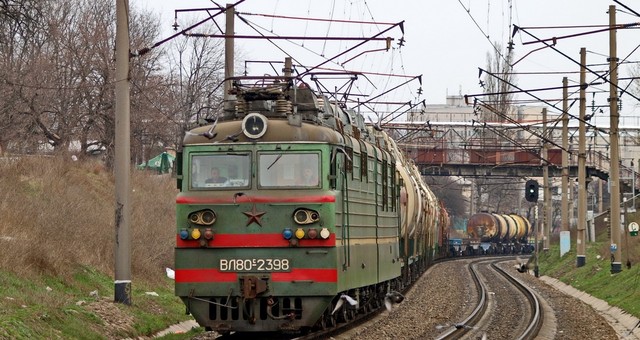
point(360, 22)
point(482, 31)
point(396, 56)
point(575, 61)
point(146, 50)
point(627, 8)
point(534, 96)
point(308, 69)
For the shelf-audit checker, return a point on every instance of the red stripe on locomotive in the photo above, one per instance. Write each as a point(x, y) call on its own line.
point(215, 275)
point(256, 199)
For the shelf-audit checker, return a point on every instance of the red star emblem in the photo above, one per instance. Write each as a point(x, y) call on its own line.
point(254, 215)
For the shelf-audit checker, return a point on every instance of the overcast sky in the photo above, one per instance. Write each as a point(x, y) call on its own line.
point(445, 41)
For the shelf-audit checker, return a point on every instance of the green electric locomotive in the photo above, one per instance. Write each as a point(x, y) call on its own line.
point(292, 214)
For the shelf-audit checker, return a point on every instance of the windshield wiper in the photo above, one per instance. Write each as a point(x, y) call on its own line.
point(274, 162)
point(277, 158)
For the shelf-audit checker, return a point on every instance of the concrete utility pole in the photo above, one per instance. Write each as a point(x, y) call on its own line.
point(600, 204)
point(582, 160)
point(565, 155)
point(547, 185)
point(122, 158)
point(229, 53)
point(614, 172)
point(565, 236)
point(572, 213)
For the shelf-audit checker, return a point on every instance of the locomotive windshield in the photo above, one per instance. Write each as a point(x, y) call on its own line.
point(288, 169)
point(221, 170)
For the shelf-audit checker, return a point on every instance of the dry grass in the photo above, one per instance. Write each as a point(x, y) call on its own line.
point(57, 216)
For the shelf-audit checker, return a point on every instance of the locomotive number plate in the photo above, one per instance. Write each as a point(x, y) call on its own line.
point(254, 265)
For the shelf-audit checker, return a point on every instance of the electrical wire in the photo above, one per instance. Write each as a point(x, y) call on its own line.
point(627, 8)
point(496, 49)
point(577, 62)
point(317, 19)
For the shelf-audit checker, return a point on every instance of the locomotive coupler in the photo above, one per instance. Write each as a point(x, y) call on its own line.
point(252, 286)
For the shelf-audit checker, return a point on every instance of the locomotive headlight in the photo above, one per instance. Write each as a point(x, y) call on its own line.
point(305, 216)
point(203, 217)
point(208, 217)
point(300, 233)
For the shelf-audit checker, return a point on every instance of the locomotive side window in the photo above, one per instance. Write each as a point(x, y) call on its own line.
point(364, 161)
point(289, 169)
point(385, 198)
point(220, 171)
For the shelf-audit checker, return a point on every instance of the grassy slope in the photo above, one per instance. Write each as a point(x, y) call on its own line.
point(621, 289)
point(57, 258)
point(57, 231)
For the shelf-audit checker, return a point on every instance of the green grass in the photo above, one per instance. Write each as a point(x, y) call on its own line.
point(595, 278)
point(30, 311)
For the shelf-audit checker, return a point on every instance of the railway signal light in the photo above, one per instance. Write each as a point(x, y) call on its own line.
point(531, 190)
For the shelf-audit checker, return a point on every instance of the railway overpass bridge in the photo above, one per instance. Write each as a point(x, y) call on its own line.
point(453, 150)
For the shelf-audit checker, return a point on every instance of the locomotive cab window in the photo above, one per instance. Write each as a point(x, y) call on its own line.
point(220, 171)
point(291, 170)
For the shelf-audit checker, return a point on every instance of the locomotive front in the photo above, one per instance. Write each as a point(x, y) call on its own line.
point(255, 231)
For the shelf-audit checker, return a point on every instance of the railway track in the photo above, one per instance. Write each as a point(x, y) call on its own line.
point(504, 305)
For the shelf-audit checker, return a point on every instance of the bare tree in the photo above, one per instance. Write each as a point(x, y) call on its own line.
point(197, 71)
point(496, 83)
point(58, 80)
point(21, 33)
point(491, 194)
point(187, 90)
point(449, 190)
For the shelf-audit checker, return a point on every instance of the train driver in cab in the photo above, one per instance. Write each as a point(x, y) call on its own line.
point(215, 176)
point(309, 177)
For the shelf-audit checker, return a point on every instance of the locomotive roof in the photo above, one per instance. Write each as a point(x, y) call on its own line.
point(289, 113)
point(278, 130)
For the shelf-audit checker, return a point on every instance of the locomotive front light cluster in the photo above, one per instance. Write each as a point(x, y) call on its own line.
point(305, 216)
point(204, 217)
point(300, 233)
